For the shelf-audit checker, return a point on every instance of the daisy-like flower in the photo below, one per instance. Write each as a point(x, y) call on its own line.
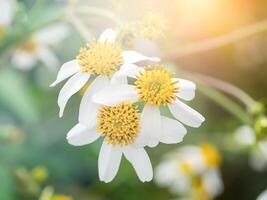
point(262, 196)
point(119, 125)
point(191, 171)
point(6, 9)
point(99, 58)
point(36, 47)
point(155, 88)
point(256, 141)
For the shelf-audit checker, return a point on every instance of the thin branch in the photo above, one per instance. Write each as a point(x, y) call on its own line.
point(219, 41)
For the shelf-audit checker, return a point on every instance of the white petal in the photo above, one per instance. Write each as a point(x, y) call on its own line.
point(172, 131)
point(185, 114)
point(263, 195)
point(73, 85)
point(126, 70)
point(81, 135)
point(245, 135)
point(67, 69)
point(48, 57)
point(52, 34)
point(212, 183)
point(140, 161)
point(7, 8)
point(186, 89)
point(109, 161)
point(150, 132)
point(88, 109)
point(107, 36)
point(134, 57)
point(114, 94)
point(23, 61)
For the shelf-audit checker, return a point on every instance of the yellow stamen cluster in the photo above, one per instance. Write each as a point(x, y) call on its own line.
point(100, 58)
point(119, 124)
point(156, 87)
point(2, 32)
point(152, 26)
point(211, 155)
point(29, 46)
point(198, 189)
point(62, 197)
point(126, 36)
point(185, 167)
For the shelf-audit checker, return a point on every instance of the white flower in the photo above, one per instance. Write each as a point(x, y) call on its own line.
point(262, 196)
point(188, 170)
point(99, 58)
point(155, 88)
point(119, 125)
point(7, 8)
point(36, 47)
point(246, 136)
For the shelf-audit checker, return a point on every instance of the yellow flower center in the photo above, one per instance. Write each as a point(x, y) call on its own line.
point(156, 87)
point(29, 46)
point(62, 197)
point(119, 124)
point(100, 58)
point(39, 173)
point(2, 32)
point(152, 26)
point(198, 189)
point(211, 155)
point(186, 168)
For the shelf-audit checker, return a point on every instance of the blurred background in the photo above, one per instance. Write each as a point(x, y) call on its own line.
point(219, 44)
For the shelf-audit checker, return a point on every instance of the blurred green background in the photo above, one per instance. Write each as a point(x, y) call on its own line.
point(32, 134)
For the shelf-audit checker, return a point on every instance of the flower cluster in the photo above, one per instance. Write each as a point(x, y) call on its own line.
point(192, 172)
point(123, 104)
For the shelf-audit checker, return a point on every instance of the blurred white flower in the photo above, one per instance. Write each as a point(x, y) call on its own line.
point(36, 47)
point(100, 58)
point(246, 136)
point(119, 125)
point(156, 88)
point(7, 8)
point(262, 196)
point(191, 171)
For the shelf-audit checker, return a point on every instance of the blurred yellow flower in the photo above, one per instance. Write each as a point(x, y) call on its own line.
point(211, 155)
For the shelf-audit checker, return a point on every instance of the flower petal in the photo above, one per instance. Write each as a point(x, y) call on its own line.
point(88, 109)
point(172, 131)
point(114, 94)
point(109, 161)
point(134, 57)
point(48, 57)
point(186, 89)
point(67, 69)
point(52, 34)
point(263, 195)
point(23, 61)
point(245, 135)
point(73, 85)
point(108, 35)
point(139, 158)
point(185, 114)
point(150, 132)
point(212, 183)
point(126, 70)
point(81, 135)
point(6, 9)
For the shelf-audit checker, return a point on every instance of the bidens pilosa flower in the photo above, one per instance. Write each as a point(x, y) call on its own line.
point(119, 125)
point(37, 47)
point(99, 58)
point(191, 171)
point(155, 88)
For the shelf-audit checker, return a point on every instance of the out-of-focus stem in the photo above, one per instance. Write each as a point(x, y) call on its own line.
point(80, 26)
point(225, 87)
point(88, 10)
point(219, 41)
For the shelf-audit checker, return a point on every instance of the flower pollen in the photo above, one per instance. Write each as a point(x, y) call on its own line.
point(29, 46)
point(119, 124)
point(100, 58)
point(211, 155)
point(156, 87)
